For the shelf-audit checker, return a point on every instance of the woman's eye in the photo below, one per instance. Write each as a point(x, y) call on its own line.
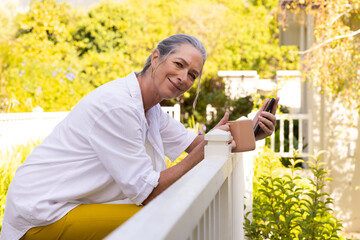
point(178, 64)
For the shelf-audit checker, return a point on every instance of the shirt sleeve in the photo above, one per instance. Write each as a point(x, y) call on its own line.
point(117, 139)
point(176, 138)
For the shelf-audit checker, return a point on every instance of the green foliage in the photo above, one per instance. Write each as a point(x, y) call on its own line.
point(336, 32)
point(236, 108)
point(57, 54)
point(39, 67)
point(103, 29)
point(10, 160)
point(288, 206)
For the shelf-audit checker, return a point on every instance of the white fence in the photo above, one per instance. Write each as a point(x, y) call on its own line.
point(173, 111)
point(19, 128)
point(298, 127)
point(295, 134)
point(206, 203)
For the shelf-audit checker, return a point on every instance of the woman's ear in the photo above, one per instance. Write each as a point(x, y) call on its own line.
point(155, 56)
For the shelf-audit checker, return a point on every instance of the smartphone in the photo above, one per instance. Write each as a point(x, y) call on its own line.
point(267, 109)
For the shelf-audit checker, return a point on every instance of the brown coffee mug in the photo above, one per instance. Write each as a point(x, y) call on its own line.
point(243, 134)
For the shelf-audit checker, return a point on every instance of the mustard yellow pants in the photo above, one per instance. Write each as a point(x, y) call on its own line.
point(85, 222)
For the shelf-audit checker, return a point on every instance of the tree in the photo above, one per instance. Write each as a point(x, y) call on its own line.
point(41, 60)
point(333, 62)
point(58, 54)
point(7, 31)
point(103, 29)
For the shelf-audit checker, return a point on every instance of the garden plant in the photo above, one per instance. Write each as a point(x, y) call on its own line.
point(287, 205)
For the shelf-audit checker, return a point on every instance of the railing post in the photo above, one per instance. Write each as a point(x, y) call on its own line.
point(242, 190)
point(211, 112)
point(177, 112)
point(217, 143)
point(238, 191)
point(218, 146)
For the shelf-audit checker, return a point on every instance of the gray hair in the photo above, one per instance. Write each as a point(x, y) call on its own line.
point(170, 45)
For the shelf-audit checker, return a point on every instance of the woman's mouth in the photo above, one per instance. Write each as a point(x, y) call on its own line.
point(174, 85)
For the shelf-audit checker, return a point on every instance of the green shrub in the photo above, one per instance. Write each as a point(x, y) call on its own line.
point(288, 206)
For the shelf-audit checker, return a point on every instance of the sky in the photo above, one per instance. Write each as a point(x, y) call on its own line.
point(23, 5)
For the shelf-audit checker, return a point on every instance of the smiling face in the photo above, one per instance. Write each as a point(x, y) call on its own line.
point(174, 76)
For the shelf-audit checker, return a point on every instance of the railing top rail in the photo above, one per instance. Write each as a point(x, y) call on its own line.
point(30, 115)
point(288, 73)
point(293, 116)
point(50, 115)
point(238, 73)
point(169, 108)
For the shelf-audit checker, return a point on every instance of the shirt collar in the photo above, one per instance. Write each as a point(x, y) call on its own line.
point(135, 92)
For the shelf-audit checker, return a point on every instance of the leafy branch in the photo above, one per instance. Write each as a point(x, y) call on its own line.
point(352, 34)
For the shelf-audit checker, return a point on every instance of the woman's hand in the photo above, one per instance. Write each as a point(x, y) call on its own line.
point(267, 120)
point(224, 125)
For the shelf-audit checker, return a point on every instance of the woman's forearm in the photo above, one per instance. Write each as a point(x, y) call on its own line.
point(171, 175)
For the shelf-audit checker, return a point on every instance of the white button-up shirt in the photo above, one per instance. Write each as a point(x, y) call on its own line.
point(105, 151)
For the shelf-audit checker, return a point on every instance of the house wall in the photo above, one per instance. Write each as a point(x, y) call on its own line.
point(335, 130)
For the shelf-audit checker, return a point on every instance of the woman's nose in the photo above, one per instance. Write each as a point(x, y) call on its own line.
point(182, 75)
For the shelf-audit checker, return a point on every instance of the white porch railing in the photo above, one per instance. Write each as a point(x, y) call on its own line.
point(19, 128)
point(173, 111)
point(206, 203)
point(301, 136)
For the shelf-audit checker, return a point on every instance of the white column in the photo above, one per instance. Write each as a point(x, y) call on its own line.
point(240, 83)
point(217, 143)
point(218, 146)
point(177, 112)
point(238, 191)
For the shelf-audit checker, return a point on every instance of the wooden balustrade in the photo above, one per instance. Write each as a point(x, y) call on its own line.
point(291, 137)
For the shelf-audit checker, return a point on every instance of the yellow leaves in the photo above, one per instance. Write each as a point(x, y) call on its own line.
point(317, 154)
point(113, 39)
point(267, 162)
point(333, 65)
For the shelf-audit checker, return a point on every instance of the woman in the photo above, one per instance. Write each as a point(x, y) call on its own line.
point(107, 157)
